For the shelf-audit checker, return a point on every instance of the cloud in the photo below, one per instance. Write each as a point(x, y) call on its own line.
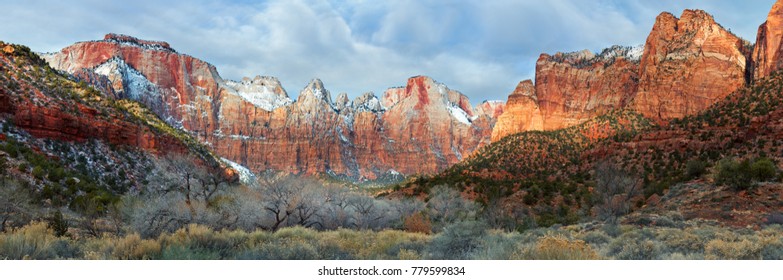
point(482, 48)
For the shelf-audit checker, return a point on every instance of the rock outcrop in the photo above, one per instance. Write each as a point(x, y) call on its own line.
point(421, 128)
point(43, 111)
point(688, 64)
point(521, 113)
point(571, 88)
point(767, 52)
point(574, 87)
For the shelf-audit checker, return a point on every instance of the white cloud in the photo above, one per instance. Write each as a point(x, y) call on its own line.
point(482, 48)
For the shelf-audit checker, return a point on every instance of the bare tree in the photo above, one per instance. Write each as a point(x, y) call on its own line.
point(281, 200)
point(15, 206)
point(365, 209)
point(336, 212)
point(615, 189)
point(180, 191)
point(310, 210)
point(447, 206)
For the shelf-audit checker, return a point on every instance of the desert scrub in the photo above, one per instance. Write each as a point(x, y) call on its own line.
point(129, 247)
point(742, 249)
point(561, 248)
point(34, 241)
point(638, 244)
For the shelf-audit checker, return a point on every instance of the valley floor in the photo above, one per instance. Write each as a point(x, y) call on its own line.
point(669, 238)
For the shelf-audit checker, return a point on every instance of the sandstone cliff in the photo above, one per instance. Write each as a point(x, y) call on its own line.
point(423, 127)
point(571, 88)
point(688, 64)
point(767, 52)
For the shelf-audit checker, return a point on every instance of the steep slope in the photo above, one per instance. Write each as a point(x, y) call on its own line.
point(767, 51)
point(423, 127)
point(68, 145)
point(688, 64)
point(551, 173)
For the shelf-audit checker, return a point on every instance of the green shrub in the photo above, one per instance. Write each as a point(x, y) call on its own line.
point(763, 169)
point(635, 245)
point(736, 175)
point(596, 238)
point(695, 168)
point(457, 241)
point(58, 224)
point(38, 172)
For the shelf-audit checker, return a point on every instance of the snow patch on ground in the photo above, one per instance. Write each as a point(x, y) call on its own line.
point(246, 176)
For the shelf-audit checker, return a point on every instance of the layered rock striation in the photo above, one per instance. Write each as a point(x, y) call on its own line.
point(420, 128)
point(571, 88)
point(688, 64)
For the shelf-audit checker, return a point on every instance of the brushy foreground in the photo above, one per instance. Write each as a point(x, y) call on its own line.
point(464, 240)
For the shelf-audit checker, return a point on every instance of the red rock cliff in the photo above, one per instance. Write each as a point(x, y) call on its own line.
point(570, 89)
point(688, 64)
point(44, 112)
point(423, 127)
point(767, 52)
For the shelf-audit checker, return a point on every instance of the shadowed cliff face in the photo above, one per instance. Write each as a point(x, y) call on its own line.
point(767, 51)
point(422, 128)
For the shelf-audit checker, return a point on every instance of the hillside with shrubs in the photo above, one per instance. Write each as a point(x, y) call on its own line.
point(729, 152)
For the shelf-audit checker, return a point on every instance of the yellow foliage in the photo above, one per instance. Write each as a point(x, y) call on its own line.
point(732, 250)
point(561, 248)
point(132, 247)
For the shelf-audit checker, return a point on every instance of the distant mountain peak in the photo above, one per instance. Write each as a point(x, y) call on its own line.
point(126, 39)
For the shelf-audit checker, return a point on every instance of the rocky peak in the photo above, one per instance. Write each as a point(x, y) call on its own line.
point(367, 102)
point(688, 64)
point(767, 52)
point(574, 58)
point(262, 91)
point(525, 88)
point(520, 113)
point(125, 39)
point(586, 58)
point(315, 93)
point(491, 108)
point(692, 20)
point(342, 102)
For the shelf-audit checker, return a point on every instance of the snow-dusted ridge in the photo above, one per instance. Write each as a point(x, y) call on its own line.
point(263, 92)
point(137, 87)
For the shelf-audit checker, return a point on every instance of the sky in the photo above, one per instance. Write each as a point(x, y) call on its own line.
point(481, 48)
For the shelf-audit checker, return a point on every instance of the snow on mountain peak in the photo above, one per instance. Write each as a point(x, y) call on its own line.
point(130, 81)
point(262, 91)
point(367, 102)
point(315, 90)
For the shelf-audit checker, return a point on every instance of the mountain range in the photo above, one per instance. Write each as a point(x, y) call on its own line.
point(686, 65)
